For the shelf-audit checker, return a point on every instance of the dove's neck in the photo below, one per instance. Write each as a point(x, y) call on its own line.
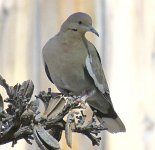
point(70, 36)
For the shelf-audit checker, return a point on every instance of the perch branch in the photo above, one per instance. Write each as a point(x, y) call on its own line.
point(20, 120)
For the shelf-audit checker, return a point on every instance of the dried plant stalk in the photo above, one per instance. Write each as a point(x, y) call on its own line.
point(20, 119)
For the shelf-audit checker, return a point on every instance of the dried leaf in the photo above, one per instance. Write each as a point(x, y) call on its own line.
point(1, 80)
point(27, 117)
point(26, 130)
point(68, 128)
point(38, 141)
point(15, 89)
point(9, 89)
point(1, 109)
point(55, 106)
point(44, 139)
point(68, 134)
point(1, 104)
point(26, 89)
point(34, 105)
point(0, 127)
point(30, 89)
point(56, 132)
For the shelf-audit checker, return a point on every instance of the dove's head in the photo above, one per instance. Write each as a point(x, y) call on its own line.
point(79, 23)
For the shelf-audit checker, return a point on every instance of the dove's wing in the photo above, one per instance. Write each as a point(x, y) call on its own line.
point(95, 70)
point(47, 72)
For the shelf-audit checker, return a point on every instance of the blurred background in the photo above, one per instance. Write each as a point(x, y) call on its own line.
point(126, 45)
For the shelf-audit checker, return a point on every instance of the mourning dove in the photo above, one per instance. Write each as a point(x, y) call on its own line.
point(73, 64)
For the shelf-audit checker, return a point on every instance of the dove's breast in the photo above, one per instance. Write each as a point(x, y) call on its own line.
point(66, 63)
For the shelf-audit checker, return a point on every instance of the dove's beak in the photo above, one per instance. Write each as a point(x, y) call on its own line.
point(91, 29)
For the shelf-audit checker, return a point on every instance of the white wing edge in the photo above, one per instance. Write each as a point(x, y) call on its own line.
point(92, 74)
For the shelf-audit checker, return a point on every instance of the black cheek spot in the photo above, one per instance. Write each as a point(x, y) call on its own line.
point(80, 22)
point(74, 29)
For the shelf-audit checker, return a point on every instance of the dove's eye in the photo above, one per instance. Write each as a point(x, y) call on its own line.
point(80, 22)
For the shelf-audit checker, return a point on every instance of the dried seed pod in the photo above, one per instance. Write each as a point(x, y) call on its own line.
point(26, 89)
point(34, 105)
point(44, 140)
point(27, 117)
point(55, 106)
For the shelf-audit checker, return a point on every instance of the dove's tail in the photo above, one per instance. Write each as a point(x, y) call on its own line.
point(102, 106)
point(113, 125)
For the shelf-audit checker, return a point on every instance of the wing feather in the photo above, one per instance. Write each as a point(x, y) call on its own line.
point(95, 70)
point(47, 72)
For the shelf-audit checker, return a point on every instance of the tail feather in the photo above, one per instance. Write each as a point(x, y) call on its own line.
point(113, 125)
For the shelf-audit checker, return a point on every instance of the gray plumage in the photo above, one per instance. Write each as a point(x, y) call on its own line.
point(73, 65)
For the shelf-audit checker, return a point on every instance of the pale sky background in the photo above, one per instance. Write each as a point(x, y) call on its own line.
point(126, 45)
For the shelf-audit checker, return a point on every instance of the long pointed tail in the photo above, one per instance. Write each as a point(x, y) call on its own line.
point(113, 125)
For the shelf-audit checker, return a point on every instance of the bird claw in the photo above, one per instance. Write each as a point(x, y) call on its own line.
point(81, 101)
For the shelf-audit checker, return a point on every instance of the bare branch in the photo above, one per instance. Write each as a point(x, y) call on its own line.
point(20, 119)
